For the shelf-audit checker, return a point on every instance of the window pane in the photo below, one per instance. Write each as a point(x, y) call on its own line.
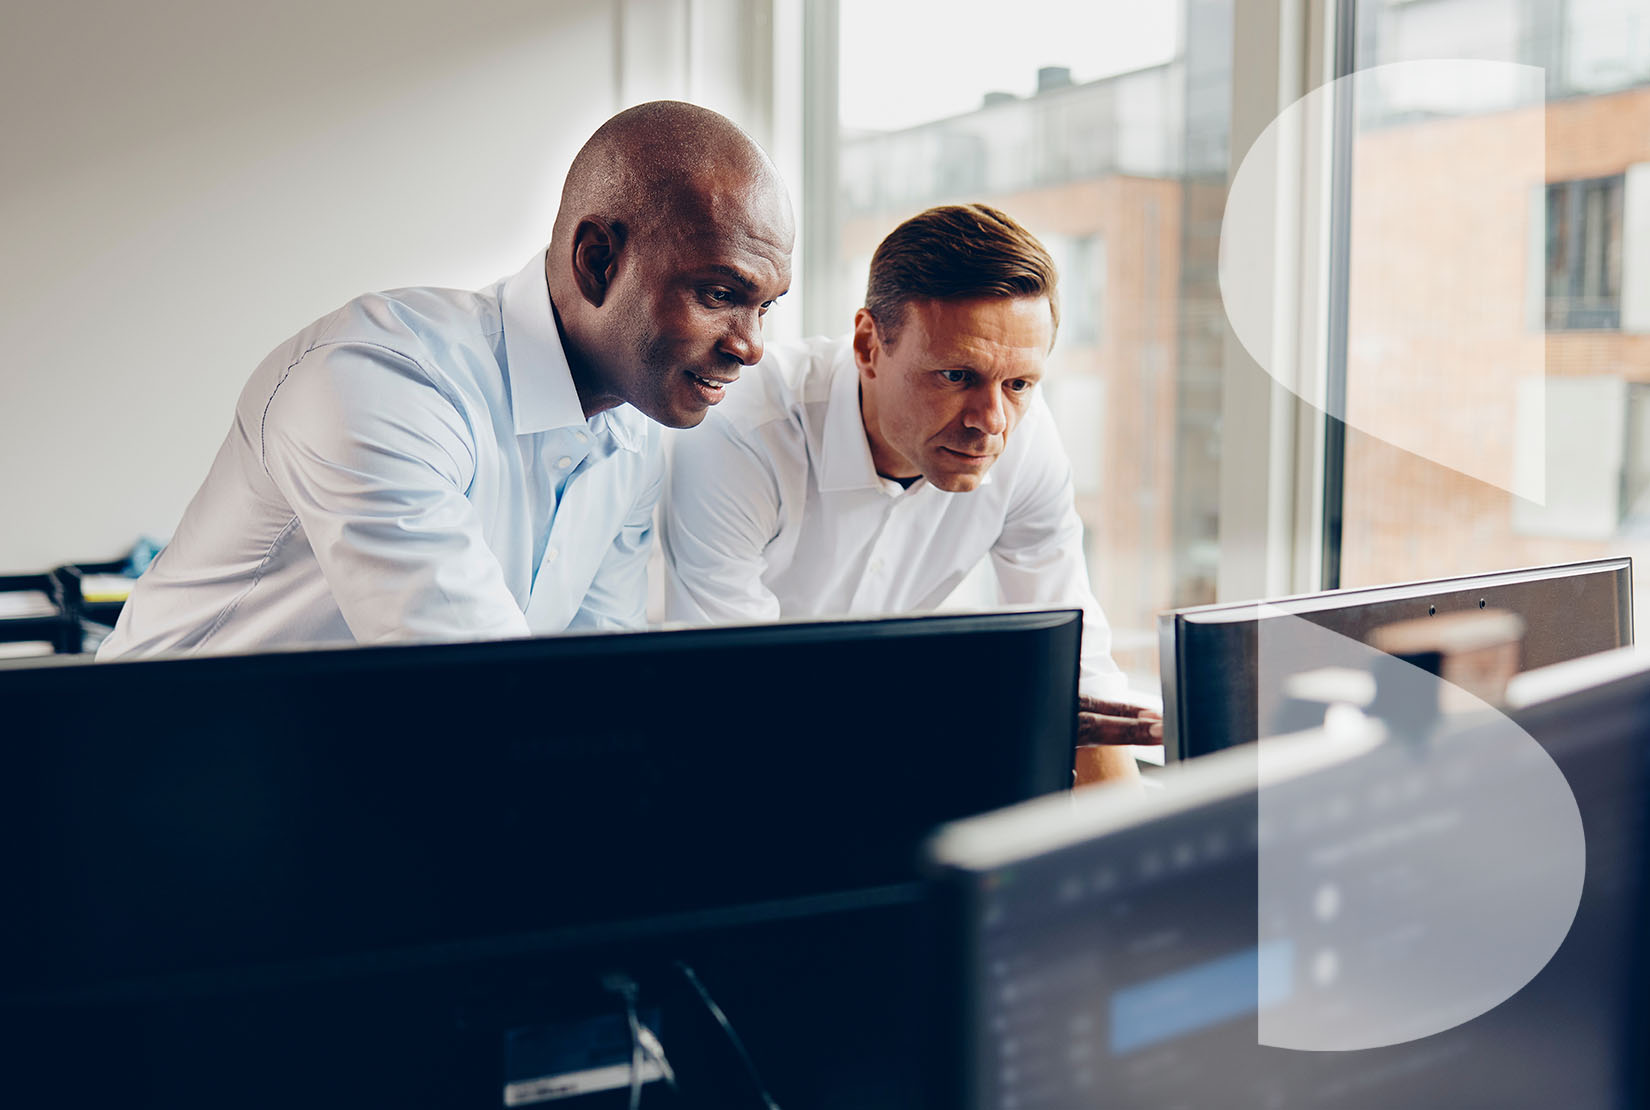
point(1593, 231)
point(1558, 251)
point(1611, 280)
point(1102, 127)
point(1607, 45)
point(1439, 360)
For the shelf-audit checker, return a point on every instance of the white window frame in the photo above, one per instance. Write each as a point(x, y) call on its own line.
point(1271, 530)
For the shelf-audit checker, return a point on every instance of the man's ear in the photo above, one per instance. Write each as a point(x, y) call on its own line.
point(867, 343)
point(596, 247)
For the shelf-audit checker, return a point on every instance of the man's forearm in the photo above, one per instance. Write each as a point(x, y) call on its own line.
point(1097, 763)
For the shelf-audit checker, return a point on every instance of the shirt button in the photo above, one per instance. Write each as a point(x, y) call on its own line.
point(563, 463)
point(582, 437)
point(550, 555)
point(876, 566)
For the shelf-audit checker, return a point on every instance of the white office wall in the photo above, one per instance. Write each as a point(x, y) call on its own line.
point(187, 182)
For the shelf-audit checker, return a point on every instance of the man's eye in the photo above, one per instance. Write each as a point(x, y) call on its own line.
point(956, 377)
point(1019, 385)
point(720, 296)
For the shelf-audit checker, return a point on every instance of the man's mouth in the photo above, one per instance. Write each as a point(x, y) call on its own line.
point(969, 456)
point(710, 389)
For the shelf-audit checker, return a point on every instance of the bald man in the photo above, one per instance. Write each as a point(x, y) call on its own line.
point(431, 464)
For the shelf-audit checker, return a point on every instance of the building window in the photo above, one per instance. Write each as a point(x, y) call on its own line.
point(1584, 253)
point(1606, 45)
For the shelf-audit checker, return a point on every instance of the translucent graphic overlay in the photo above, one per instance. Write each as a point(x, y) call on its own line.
point(1445, 240)
point(1418, 884)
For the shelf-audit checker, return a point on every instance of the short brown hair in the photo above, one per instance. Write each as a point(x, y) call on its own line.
point(952, 252)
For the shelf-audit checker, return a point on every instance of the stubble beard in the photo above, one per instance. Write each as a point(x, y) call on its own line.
point(654, 374)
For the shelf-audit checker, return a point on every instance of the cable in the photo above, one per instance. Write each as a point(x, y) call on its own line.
point(642, 1039)
point(635, 1052)
point(728, 1031)
point(650, 1042)
point(625, 987)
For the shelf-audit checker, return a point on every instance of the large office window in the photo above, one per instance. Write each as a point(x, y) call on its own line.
point(1493, 336)
point(1102, 126)
point(1497, 364)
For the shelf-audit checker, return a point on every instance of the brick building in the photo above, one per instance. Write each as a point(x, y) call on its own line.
point(1571, 296)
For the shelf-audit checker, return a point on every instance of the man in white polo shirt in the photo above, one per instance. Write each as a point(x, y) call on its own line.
point(438, 464)
point(870, 474)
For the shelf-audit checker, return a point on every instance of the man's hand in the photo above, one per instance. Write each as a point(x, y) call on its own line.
point(1117, 722)
point(1105, 729)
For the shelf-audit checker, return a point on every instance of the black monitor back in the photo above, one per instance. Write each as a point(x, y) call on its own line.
point(204, 817)
point(1209, 655)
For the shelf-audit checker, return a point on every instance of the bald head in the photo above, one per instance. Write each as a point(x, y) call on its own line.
point(673, 238)
point(661, 162)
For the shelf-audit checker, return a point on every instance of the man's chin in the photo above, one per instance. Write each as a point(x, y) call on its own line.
point(954, 483)
point(682, 417)
point(674, 412)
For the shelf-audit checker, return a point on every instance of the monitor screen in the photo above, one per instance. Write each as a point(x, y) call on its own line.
point(214, 815)
point(1387, 924)
point(1222, 665)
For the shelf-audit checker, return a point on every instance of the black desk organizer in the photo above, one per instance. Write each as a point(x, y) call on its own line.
point(73, 621)
point(60, 627)
point(95, 618)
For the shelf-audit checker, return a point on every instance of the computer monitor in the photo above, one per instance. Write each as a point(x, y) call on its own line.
point(213, 828)
point(1321, 920)
point(1209, 656)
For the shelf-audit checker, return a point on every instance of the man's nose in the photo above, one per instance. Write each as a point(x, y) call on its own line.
point(743, 339)
point(987, 413)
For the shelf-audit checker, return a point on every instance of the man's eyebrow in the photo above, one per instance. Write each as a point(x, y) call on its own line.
point(729, 271)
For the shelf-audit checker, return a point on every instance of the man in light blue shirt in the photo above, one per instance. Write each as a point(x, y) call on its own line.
point(431, 464)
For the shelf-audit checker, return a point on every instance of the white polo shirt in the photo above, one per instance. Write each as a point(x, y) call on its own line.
point(774, 509)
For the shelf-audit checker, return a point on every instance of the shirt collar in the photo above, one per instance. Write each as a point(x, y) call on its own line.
point(627, 426)
point(846, 459)
point(542, 394)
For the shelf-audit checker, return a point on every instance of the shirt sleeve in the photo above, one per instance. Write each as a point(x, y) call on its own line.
point(721, 510)
point(375, 461)
point(1039, 555)
point(617, 597)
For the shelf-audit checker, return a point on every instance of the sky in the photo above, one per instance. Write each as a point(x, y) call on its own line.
point(908, 61)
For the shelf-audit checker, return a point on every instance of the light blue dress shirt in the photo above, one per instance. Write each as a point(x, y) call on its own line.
point(413, 466)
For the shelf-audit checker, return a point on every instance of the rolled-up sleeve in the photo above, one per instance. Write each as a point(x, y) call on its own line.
point(375, 460)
